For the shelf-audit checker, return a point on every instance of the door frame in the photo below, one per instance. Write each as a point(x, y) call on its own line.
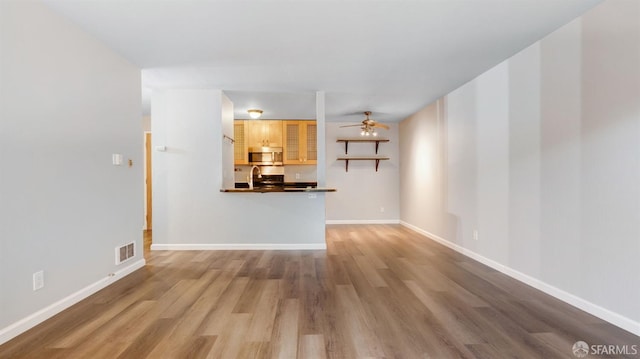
point(148, 187)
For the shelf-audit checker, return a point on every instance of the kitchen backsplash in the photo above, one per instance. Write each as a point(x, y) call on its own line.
point(305, 173)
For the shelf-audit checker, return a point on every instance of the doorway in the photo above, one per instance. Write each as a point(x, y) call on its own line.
point(147, 236)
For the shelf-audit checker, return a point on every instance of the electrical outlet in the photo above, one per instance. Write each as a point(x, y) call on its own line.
point(475, 234)
point(38, 280)
point(297, 176)
point(381, 209)
point(312, 195)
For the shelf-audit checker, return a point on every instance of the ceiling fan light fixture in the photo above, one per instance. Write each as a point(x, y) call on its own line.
point(368, 126)
point(255, 113)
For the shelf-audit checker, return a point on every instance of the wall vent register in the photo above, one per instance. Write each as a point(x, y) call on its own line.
point(125, 252)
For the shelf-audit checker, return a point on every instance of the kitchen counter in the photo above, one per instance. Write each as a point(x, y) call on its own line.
point(278, 190)
point(286, 184)
point(300, 184)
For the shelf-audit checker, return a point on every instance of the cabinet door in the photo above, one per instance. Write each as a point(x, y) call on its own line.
point(265, 133)
point(255, 133)
point(300, 142)
point(273, 133)
point(241, 145)
point(291, 137)
point(310, 129)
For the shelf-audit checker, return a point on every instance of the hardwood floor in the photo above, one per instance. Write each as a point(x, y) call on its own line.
point(146, 243)
point(378, 291)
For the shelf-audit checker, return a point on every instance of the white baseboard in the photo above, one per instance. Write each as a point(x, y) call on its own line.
point(238, 246)
point(362, 221)
point(40, 316)
point(591, 308)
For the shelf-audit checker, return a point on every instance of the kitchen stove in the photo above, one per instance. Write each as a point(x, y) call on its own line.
point(272, 178)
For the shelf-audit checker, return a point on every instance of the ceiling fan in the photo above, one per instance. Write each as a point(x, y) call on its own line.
point(368, 126)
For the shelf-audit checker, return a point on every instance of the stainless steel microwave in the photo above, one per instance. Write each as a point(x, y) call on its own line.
point(265, 156)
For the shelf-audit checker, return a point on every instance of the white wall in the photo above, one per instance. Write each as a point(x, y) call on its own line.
point(189, 209)
point(422, 183)
point(67, 103)
point(146, 123)
point(228, 178)
point(541, 155)
point(363, 195)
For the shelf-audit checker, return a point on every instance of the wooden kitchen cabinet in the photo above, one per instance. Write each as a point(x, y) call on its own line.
point(300, 142)
point(240, 144)
point(264, 133)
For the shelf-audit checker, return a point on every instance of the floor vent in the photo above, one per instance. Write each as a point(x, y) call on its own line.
point(126, 252)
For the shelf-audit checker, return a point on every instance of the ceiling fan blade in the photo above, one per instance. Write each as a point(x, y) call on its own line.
point(380, 125)
point(358, 125)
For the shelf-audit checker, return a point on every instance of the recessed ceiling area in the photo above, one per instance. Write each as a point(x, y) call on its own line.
point(299, 106)
point(389, 57)
point(275, 105)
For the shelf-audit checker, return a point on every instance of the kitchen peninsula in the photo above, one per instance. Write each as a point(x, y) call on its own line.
point(280, 190)
point(275, 156)
point(197, 128)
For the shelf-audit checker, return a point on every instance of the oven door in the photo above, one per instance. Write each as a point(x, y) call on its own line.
point(270, 182)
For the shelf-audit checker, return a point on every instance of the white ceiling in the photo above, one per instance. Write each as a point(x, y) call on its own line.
point(392, 57)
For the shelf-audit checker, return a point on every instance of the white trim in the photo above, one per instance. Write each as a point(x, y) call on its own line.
point(362, 221)
point(591, 308)
point(43, 314)
point(238, 246)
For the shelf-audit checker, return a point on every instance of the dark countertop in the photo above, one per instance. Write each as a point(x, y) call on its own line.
point(286, 184)
point(301, 184)
point(278, 190)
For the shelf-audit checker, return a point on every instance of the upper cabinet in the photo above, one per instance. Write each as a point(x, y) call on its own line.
point(300, 142)
point(241, 145)
point(264, 133)
point(298, 139)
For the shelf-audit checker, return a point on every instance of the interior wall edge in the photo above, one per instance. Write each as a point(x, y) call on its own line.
point(238, 246)
point(605, 314)
point(363, 221)
point(49, 311)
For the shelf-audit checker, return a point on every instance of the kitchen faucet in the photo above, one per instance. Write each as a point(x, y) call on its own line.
point(251, 176)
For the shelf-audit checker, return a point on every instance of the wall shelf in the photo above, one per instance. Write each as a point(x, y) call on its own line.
point(347, 140)
point(346, 160)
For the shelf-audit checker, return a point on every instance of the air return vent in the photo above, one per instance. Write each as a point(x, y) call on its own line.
point(126, 252)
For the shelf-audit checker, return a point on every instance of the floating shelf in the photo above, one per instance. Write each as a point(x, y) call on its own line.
point(357, 139)
point(346, 160)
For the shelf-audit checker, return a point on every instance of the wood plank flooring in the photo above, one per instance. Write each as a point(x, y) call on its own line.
point(379, 291)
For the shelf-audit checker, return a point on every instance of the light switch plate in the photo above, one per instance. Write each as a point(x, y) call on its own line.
point(38, 280)
point(116, 158)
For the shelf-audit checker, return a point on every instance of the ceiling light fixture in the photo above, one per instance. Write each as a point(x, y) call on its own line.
point(368, 126)
point(368, 131)
point(255, 113)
